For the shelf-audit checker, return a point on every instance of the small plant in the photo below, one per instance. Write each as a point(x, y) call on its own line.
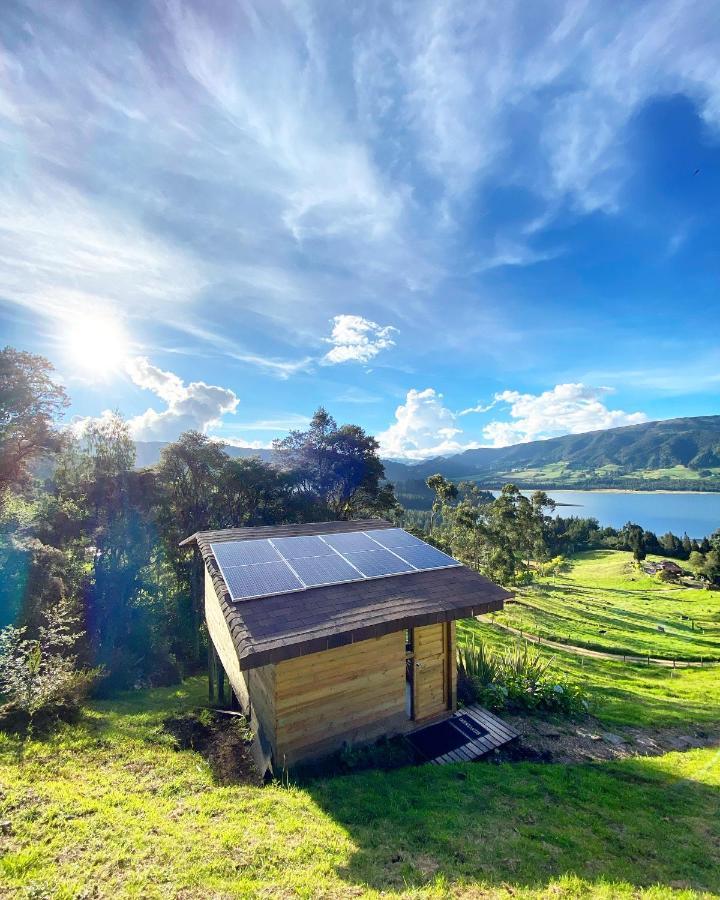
point(518, 679)
point(40, 678)
point(478, 663)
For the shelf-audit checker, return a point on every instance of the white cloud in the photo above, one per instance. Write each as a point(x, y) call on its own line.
point(480, 408)
point(196, 405)
point(356, 339)
point(423, 427)
point(566, 409)
point(242, 442)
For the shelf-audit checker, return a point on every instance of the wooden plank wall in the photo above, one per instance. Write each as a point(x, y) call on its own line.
point(433, 673)
point(353, 693)
point(261, 685)
point(224, 645)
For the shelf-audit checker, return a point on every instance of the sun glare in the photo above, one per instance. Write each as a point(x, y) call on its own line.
point(97, 345)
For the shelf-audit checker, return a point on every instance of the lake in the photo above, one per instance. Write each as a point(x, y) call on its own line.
point(696, 514)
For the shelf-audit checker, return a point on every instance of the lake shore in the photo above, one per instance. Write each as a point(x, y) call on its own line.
point(570, 490)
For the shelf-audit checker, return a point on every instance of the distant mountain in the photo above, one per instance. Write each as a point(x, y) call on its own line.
point(148, 452)
point(673, 453)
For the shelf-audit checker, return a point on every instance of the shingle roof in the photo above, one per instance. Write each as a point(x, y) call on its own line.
point(271, 629)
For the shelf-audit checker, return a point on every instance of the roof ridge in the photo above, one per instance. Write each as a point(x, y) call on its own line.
point(250, 532)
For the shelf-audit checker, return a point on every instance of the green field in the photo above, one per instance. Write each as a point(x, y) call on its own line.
point(562, 473)
point(604, 603)
point(110, 808)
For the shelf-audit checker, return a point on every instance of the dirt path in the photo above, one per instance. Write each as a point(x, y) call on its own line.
point(600, 654)
point(590, 741)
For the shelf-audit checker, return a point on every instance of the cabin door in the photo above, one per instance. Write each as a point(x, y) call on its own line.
point(433, 670)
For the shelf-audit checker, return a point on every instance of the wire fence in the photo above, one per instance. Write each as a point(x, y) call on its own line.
point(585, 652)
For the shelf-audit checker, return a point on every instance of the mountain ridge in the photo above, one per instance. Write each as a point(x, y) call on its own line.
point(672, 453)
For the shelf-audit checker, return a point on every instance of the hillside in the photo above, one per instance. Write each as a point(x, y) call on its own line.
point(112, 807)
point(675, 453)
point(148, 452)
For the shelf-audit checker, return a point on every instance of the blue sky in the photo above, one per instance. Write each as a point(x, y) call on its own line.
point(455, 223)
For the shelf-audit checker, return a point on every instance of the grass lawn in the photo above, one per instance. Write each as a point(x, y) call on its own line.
point(108, 808)
point(605, 603)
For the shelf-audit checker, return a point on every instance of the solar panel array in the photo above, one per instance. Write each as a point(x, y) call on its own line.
point(261, 568)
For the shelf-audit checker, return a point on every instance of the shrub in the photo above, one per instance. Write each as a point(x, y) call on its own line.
point(518, 679)
point(39, 678)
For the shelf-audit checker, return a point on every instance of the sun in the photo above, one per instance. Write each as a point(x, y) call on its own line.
point(96, 345)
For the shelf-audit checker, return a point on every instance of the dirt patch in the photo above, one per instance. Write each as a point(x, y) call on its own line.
point(224, 741)
point(545, 740)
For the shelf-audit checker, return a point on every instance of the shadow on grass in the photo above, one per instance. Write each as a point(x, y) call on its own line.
point(637, 822)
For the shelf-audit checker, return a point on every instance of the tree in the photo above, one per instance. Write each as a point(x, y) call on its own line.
point(500, 537)
point(445, 493)
point(102, 514)
point(712, 564)
point(336, 470)
point(633, 538)
point(190, 478)
point(715, 540)
point(30, 401)
point(696, 563)
point(255, 492)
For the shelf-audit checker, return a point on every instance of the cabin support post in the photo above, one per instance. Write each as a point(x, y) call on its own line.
point(221, 684)
point(212, 672)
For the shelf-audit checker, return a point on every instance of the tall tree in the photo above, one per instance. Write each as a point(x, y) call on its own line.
point(255, 493)
point(103, 514)
point(30, 402)
point(445, 493)
point(190, 498)
point(336, 468)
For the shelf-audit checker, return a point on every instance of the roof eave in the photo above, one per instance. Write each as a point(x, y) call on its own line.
point(250, 658)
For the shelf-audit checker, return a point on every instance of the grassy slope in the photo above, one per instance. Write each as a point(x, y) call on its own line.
point(573, 606)
point(603, 592)
point(554, 473)
point(108, 808)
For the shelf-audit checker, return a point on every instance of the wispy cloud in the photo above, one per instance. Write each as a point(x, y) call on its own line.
point(195, 164)
point(480, 408)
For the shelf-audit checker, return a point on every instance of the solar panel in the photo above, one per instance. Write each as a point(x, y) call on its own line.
point(296, 547)
point(349, 541)
point(244, 553)
point(426, 557)
point(261, 580)
point(319, 570)
point(374, 563)
point(260, 568)
point(395, 537)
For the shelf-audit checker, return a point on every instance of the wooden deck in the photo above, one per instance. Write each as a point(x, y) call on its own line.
point(482, 732)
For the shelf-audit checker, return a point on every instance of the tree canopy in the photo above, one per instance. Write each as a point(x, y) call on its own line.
point(30, 403)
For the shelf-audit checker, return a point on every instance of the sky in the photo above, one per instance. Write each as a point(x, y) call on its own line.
point(457, 224)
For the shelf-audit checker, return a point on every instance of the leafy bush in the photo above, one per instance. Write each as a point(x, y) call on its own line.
point(518, 679)
point(39, 677)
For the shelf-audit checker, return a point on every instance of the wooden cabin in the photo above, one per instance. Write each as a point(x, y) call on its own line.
point(351, 642)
